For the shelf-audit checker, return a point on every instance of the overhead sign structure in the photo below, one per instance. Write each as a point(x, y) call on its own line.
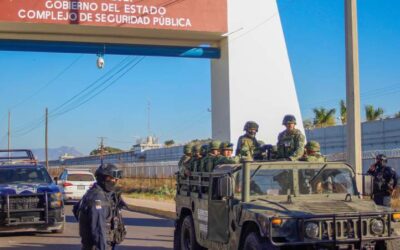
point(185, 15)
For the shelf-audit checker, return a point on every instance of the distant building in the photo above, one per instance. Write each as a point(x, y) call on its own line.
point(65, 157)
point(143, 145)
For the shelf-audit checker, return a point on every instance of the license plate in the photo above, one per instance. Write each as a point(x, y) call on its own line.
point(27, 219)
point(81, 187)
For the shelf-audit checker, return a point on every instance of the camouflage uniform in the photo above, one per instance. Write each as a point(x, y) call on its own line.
point(224, 159)
point(290, 142)
point(196, 158)
point(208, 162)
point(248, 146)
point(313, 153)
point(184, 162)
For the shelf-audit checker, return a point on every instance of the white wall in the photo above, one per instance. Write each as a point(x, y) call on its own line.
point(253, 78)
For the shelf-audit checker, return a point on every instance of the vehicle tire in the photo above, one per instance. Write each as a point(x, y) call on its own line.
point(177, 235)
point(59, 231)
point(254, 242)
point(392, 244)
point(187, 235)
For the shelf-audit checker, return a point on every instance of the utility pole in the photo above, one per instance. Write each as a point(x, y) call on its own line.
point(102, 148)
point(354, 151)
point(46, 139)
point(9, 133)
point(148, 117)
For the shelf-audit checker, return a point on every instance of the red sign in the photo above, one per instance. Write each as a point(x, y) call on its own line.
point(189, 15)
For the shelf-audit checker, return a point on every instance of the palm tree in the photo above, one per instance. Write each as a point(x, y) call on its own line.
point(343, 112)
point(324, 117)
point(373, 114)
point(397, 115)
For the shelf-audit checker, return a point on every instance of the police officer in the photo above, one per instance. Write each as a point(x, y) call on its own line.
point(226, 157)
point(247, 145)
point(384, 182)
point(184, 162)
point(312, 153)
point(99, 215)
point(291, 141)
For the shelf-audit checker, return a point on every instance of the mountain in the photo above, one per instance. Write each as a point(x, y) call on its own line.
point(55, 153)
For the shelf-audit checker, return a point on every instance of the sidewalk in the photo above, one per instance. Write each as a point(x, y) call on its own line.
point(158, 208)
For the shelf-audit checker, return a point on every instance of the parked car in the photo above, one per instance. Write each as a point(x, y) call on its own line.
point(75, 183)
point(29, 199)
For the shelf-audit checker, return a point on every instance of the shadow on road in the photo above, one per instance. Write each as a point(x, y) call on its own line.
point(76, 246)
point(147, 222)
point(70, 219)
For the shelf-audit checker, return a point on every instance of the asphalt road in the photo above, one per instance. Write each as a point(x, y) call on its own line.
point(144, 232)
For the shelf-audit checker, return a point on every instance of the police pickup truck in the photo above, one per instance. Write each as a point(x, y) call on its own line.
point(280, 205)
point(29, 200)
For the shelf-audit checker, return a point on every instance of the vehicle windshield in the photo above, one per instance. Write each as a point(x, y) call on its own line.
point(274, 179)
point(24, 175)
point(80, 177)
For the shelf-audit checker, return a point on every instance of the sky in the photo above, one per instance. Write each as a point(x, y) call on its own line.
point(177, 90)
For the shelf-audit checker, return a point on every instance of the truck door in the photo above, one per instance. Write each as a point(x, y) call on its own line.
point(218, 214)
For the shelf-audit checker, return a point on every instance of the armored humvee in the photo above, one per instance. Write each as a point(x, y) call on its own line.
point(280, 205)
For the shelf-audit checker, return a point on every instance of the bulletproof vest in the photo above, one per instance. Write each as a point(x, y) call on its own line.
point(383, 180)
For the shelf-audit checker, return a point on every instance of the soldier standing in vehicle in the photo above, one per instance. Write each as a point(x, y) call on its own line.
point(291, 141)
point(99, 212)
point(226, 154)
point(384, 182)
point(196, 158)
point(208, 162)
point(184, 162)
point(312, 153)
point(247, 145)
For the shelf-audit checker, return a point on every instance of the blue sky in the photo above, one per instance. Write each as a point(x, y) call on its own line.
point(178, 89)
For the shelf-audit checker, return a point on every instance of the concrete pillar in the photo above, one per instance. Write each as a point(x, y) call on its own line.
point(252, 80)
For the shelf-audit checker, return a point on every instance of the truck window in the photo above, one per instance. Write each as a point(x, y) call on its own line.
point(24, 175)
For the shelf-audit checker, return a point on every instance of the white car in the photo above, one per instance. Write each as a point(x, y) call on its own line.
point(75, 183)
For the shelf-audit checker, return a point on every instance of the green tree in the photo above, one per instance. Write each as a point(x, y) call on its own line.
point(343, 112)
point(324, 118)
point(169, 143)
point(106, 150)
point(373, 114)
point(397, 115)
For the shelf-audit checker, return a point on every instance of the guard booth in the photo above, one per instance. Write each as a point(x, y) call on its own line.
point(251, 77)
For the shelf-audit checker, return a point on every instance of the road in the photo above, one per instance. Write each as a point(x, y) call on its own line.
point(144, 232)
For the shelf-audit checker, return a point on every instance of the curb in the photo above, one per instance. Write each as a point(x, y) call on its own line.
point(153, 211)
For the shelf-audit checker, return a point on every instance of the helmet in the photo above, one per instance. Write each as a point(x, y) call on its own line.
point(381, 157)
point(204, 149)
point(196, 149)
point(108, 170)
point(226, 146)
point(213, 145)
point(289, 119)
point(313, 146)
point(250, 125)
point(187, 149)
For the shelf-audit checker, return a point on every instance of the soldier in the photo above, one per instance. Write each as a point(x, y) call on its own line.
point(208, 162)
point(184, 162)
point(247, 145)
point(226, 154)
point(196, 158)
point(100, 220)
point(384, 182)
point(312, 153)
point(291, 141)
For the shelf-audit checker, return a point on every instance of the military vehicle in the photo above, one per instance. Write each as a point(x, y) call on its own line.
point(280, 205)
point(29, 199)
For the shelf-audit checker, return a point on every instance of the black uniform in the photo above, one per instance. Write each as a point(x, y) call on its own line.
point(100, 221)
point(385, 181)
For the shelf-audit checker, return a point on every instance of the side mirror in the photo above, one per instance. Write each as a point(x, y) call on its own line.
point(56, 180)
point(225, 186)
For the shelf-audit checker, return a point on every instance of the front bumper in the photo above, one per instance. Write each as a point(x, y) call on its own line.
point(341, 229)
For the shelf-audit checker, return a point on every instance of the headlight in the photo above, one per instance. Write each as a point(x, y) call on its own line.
point(312, 230)
point(396, 217)
point(377, 226)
